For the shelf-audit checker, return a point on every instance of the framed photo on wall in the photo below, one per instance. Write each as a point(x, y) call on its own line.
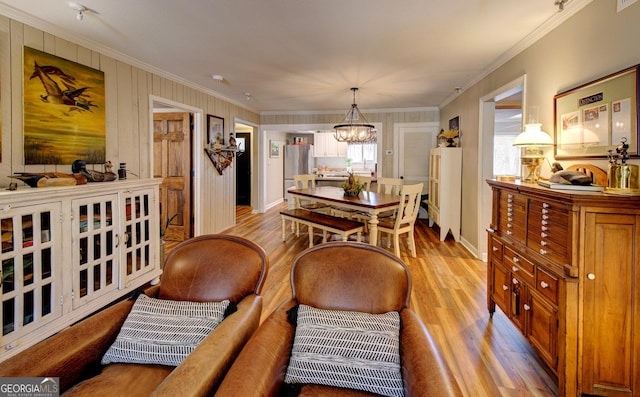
point(215, 130)
point(454, 124)
point(595, 117)
point(274, 149)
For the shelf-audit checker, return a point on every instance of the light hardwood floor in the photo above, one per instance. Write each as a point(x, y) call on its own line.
point(488, 356)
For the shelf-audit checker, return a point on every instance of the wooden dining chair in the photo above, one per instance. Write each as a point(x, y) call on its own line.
point(383, 186)
point(405, 219)
point(347, 212)
point(306, 181)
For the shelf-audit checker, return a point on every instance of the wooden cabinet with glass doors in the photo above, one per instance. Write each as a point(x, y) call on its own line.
point(67, 252)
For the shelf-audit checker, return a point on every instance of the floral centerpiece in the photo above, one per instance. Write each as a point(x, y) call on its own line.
point(351, 186)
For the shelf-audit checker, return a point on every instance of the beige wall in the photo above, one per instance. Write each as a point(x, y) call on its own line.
point(128, 89)
point(386, 136)
point(593, 43)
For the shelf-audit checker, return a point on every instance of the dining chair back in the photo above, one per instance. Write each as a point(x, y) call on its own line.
point(365, 181)
point(348, 212)
point(307, 181)
point(389, 185)
point(405, 219)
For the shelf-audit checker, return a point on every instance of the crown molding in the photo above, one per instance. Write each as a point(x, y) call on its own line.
point(571, 8)
point(48, 27)
point(342, 111)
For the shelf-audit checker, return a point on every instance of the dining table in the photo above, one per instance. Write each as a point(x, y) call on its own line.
point(371, 203)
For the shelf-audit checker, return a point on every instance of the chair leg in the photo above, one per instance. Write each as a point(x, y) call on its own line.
point(310, 229)
point(396, 244)
point(358, 237)
point(412, 244)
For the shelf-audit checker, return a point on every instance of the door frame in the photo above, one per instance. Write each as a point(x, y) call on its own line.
point(398, 139)
point(256, 193)
point(485, 154)
point(196, 148)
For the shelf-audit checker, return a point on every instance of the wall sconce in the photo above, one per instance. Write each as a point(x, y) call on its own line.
point(531, 139)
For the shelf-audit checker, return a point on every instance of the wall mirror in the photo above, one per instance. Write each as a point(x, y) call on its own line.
point(595, 117)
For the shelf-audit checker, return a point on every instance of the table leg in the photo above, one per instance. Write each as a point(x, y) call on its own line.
point(373, 229)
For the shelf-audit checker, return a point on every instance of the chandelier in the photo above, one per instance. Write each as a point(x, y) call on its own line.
point(354, 128)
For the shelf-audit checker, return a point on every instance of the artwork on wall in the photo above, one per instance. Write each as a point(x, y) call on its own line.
point(64, 110)
point(215, 130)
point(595, 117)
point(274, 149)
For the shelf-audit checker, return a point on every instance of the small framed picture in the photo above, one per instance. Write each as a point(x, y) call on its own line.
point(454, 124)
point(274, 149)
point(215, 130)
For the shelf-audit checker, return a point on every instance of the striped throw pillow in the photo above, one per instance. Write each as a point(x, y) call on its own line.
point(159, 331)
point(347, 349)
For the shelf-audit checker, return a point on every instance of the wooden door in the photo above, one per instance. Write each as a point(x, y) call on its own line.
point(172, 163)
point(611, 305)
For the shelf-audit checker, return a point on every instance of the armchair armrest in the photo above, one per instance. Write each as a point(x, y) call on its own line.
point(71, 353)
point(271, 347)
point(423, 368)
point(203, 370)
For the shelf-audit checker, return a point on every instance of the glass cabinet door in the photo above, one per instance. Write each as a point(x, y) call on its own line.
point(95, 230)
point(137, 255)
point(31, 273)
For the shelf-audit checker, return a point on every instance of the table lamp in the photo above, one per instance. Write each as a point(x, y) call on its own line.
point(531, 139)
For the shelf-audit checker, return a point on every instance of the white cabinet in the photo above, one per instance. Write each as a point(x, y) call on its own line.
point(69, 251)
point(445, 188)
point(325, 145)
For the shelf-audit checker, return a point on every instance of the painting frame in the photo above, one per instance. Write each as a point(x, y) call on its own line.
point(64, 110)
point(215, 130)
point(275, 148)
point(454, 124)
point(593, 118)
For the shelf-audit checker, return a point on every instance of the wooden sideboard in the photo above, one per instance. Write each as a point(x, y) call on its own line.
point(563, 266)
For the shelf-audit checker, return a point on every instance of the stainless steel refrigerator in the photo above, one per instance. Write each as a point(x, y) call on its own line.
point(298, 159)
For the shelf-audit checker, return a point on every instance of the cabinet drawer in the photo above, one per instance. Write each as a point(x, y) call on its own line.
point(501, 281)
point(520, 266)
point(547, 285)
point(496, 249)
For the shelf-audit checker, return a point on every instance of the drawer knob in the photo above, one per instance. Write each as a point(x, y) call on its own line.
point(544, 228)
point(505, 287)
point(543, 252)
point(545, 222)
point(527, 307)
point(545, 217)
point(544, 285)
point(516, 259)
point(509, 232)
point(591, 276)
point(515, 281)
point(510, 219)
point(544, 235)
point(494, 249)
point(543, 243)
point(515, 269)
point(545, 211)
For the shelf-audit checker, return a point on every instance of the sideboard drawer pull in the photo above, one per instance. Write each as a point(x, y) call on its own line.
point(544, 285)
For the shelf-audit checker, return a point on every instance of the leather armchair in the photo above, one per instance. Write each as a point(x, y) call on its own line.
point(205, 268)
point(341, 276)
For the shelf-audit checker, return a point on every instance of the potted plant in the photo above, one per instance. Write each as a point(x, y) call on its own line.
point(351, 186)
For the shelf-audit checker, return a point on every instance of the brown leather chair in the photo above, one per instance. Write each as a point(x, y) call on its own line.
point(341, 276)
point(205, 268)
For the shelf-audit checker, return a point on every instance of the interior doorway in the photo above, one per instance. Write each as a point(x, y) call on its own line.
point(492, 119)
point(243, 170)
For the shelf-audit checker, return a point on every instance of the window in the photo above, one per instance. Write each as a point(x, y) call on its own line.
point(363, 154)
point(506, 157)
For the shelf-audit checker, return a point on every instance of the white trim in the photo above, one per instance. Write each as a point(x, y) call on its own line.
point(497, 94)
point(256, 197)
point(196, 149)
point(110, 52)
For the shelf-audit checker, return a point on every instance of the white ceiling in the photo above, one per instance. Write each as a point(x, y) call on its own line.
point(296, 55)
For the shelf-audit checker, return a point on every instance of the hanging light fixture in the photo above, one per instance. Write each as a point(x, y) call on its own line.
point(355, 128)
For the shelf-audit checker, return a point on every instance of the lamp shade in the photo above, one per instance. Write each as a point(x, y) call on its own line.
point(533, 136)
